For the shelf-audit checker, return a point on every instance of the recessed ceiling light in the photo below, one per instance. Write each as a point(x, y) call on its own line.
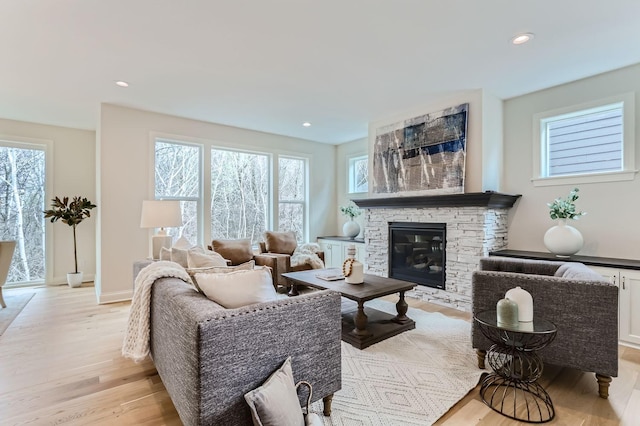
point(122, 83)
point(306, 124)
point(522, 38)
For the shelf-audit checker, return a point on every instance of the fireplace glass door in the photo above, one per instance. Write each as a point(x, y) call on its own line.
point(417, 253)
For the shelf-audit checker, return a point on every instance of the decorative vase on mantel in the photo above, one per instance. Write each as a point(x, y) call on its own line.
point(351, 229)
point(563, 240)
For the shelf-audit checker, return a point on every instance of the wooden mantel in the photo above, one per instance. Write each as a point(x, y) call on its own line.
point(489, 199)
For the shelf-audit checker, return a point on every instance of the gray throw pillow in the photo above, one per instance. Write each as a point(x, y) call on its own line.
point(275, 403)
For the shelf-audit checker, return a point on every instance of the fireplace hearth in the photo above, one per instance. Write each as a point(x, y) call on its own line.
point(417, 253)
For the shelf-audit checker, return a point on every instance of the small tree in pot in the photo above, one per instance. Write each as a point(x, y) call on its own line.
point(72, 213)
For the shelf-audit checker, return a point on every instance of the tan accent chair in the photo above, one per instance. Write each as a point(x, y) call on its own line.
point(6, 254)
point(277, 250)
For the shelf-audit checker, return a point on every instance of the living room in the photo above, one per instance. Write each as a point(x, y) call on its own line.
point(112, 158)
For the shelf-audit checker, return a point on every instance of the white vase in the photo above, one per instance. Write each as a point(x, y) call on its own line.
point(524, 301)
point(74, 279)
point(351, 229)
point(563, 240)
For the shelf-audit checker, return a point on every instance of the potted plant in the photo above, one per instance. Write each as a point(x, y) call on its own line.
point(351, 228)
point(72, 213)
point(564, 240)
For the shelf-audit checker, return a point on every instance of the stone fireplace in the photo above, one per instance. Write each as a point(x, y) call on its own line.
point(475, 224)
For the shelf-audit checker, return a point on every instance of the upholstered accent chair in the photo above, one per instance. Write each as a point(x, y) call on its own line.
point(6, 254)
point(582, 305)
point(279, 247)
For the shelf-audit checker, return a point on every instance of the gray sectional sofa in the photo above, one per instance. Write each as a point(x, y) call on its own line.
point(208, 357)
point(582, 305)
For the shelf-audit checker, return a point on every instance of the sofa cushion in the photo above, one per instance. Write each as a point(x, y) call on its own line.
point(238, 288)
point(237, 251)
point(275, 403)
point(280, 242)
point(202, 259)
point(577, 271)
point(247, 266)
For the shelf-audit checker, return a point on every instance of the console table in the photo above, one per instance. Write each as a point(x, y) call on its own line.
point(512, 389)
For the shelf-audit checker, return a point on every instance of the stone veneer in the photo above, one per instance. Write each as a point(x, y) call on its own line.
point(472, 232)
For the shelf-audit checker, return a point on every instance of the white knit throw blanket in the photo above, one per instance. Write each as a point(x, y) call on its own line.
point(136, 336)
point(306, 254)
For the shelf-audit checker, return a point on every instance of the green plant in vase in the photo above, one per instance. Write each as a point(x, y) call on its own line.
point(72, 213)
point(351, 228)
point(564, 240)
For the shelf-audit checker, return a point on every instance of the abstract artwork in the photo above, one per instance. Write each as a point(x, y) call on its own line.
point(424, 153)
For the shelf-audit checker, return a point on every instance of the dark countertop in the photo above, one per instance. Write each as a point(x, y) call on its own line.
point(607, 262)
point(345, 239)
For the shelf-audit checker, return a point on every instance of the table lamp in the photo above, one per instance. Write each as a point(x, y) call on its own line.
point(160, 214)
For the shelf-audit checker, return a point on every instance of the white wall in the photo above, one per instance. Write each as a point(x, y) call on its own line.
point(346, 150)
point(610, 228)
point(73, 164)
point(125, 155)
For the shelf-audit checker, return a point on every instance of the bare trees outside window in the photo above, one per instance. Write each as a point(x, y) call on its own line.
point(244, 192)
point(22, 192)
point(239, 194)
point(292, 195)
point(177, 177)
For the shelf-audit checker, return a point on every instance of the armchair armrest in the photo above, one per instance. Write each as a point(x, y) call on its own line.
point(279, 264)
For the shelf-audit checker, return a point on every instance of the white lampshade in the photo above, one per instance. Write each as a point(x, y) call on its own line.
point(160, 214)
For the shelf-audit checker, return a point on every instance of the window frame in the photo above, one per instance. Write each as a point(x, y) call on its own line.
point(204, 202)
point(200, 198)
point(351, 173)
point(540, 160)
point(276, 198)
point(47, 147)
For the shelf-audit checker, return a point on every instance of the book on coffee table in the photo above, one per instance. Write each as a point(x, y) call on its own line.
point(330, 275)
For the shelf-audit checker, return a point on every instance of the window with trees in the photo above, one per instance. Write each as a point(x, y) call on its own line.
point(358, 174)
point(178, 171)
point(239, 194)
point(292, 197)
point(22, 193)
point(248, 192)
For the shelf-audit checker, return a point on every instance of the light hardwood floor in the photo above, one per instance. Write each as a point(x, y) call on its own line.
point(60, 363)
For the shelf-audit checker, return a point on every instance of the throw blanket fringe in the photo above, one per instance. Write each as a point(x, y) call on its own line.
point(136, 336)
point(306, 254)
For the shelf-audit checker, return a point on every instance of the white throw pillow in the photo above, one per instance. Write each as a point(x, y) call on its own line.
point(179, 256)
point(275, 403)
point(239, 288)
point(182, 243)
point(196, 258)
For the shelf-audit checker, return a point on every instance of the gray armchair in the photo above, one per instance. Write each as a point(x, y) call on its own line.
point(582, 305)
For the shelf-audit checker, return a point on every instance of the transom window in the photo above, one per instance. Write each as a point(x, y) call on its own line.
point(586, 143)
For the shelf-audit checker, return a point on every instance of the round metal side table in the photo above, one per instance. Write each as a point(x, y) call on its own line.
point(512, 389)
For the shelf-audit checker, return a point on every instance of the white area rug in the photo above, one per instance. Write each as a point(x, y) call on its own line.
point(410, 379)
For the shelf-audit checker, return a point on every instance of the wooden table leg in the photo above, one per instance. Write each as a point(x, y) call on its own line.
point(402, 307)
point(326, 401)
point(360, 320)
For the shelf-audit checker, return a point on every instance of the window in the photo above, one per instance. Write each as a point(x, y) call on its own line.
point(589, 143)
point(358, 174)
point(177, 177)
point(247, 192)
point(240, 203)
point(292, 195)
point(22, 193)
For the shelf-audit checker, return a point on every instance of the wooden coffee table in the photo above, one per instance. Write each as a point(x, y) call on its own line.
point(363, 326)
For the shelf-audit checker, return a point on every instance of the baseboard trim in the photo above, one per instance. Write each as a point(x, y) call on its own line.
point(115, 296)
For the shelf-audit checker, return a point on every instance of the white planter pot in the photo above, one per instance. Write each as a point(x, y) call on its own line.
point(563, 240)
point(351, 229)
point(74, 279)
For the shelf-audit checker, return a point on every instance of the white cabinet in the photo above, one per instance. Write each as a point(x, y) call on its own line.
point(628, 282)
point(335, 251)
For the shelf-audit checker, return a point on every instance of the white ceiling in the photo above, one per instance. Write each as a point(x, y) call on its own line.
point(270, 65)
